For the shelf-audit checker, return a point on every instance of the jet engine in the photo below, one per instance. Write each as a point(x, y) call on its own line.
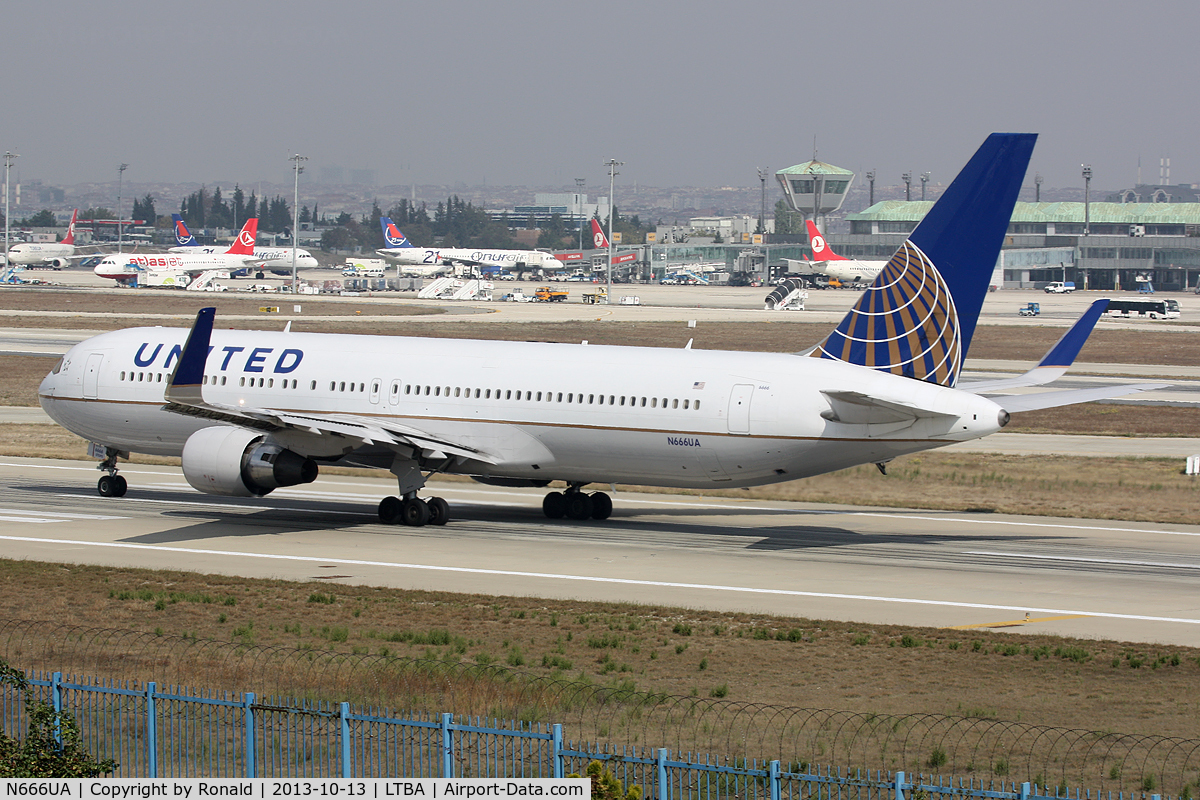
point(239, 463)
point(59, 263)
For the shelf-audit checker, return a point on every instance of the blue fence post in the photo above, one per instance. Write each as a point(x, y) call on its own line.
point(1026, 791)
point(899, 786)
point(151, 731)
point(559, 767)
point(247, 705)
point(447, 748)
point(346, 771)
point(776, 789)
point(661, 763)
point(57, 699)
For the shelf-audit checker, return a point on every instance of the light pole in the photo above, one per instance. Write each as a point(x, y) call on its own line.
point(1087, 187)
point(297, 168)
point(1037, 188)
point(924, 180)
point(871, 181)
point(120, 228)
point(907, 178)
point(612, 165)
point(579, 184)
point(762, 214)
point(8, 159)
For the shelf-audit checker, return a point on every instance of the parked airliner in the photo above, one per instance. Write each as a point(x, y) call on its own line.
point(430, 261)
point(278, 259)
point(844, 269)
point(49, 254)
point(250, 411)
point(125, 267)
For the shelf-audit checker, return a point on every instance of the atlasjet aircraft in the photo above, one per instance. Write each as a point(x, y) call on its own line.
point(125, 267)
point(429, 261)
point(273, 258)
point(835, 266)
point(50, 254)
point(250, 411)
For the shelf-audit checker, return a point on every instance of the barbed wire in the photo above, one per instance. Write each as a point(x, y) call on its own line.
point(613, 715)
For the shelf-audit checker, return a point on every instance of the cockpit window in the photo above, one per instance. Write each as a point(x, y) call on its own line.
point(57, 367)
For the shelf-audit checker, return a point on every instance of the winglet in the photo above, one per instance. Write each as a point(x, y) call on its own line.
point(1056, 361)
point(243, 245)
point(821, 251)
point(186, 380)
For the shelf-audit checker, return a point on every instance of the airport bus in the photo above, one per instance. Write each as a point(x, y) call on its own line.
point(1143, 308)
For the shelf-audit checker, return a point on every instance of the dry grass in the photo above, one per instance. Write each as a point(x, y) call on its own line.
point(783, 661)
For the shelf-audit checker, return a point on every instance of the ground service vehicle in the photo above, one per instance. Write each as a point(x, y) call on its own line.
point(1143, 308)
point(1060, 287)
point(599, 296)
point(1030, 309)
point(547, 294)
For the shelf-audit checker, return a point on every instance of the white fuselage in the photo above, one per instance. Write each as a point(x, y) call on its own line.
point(31, 254)
point(651, 416)
point(125, 267)
point(428, 259)
point(267, 257)
point(851, 271)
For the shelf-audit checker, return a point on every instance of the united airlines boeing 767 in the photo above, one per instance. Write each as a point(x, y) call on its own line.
point(252, 411)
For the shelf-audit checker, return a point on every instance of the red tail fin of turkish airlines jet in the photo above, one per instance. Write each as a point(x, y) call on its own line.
point(70, 237)
point(820, 248)
point(599, 240)
point(243, 245)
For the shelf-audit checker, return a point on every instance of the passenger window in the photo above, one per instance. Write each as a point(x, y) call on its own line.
point(591, 398)
point(643, 402)
point(696, 406)
point(653, 402)
point(674, 404)
point(312, 388)
point(270, 383)
point(59, 364)
point(203, 381)
point(241, 381)
point(560, 397)
point(395, 388)
point(332, 386)
point(458, 391)
point(622, 399)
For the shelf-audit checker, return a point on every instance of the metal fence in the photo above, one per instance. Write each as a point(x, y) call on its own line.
point(177, 732)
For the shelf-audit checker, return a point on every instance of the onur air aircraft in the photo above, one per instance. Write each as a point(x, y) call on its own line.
point(125, 267)
point(840, 267)
point(273, 258)
point(58, 254)
point(429, 261)
point(251, 411)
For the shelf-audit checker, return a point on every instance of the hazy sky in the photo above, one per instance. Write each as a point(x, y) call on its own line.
point(539, 92)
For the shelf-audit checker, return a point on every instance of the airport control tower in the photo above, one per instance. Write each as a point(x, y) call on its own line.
point(815, 188)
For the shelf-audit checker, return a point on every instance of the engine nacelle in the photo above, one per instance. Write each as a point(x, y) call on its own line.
point(239, 463)
point(59, 263)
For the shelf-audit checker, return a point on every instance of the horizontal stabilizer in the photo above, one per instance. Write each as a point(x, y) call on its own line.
point(856, 408)
point(1039, 400)
point(1055, 363)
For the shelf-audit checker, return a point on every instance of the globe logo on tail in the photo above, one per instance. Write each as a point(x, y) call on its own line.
point(818, 244)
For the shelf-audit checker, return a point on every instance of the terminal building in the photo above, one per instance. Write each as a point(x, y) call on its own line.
point(1108, 246)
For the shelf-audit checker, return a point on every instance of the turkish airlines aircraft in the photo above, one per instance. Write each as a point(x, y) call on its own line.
point(600, 242)
point(125, 267)
point(429, 261)
point(840, 267)
point(58, 254)
point(250, 411)
point(273, 258)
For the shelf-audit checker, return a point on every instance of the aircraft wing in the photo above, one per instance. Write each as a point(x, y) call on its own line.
point(859, 408)
point(1039, 400)
point(1055, 363)
point(184, 396)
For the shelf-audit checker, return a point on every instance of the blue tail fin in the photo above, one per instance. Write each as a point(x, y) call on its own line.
point(918, 317)
point(182, 235)
point(392, 237)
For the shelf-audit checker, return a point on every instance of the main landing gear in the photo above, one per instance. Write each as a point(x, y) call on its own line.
point(112, 484)
point(574, 504)
point(414, 511)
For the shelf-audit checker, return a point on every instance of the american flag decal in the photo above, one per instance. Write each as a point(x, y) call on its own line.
point(698, 385)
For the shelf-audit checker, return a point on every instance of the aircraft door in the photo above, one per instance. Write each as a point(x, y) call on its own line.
point(91, 376)
point(375, 384)
point(394, 393)
point(739, 408)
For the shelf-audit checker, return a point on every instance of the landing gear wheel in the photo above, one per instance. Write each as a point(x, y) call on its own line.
point(554, 505)
point(259, 276)
point(601, 505)
point(579, 506)
point(121, 487)
point(107, 486)
point(439, 511)
point(415, 512)
point(389, 510)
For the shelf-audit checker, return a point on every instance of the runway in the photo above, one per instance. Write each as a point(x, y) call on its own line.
point(1125, 581)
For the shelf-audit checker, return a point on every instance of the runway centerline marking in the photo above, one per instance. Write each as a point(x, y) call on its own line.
point(597, 579)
